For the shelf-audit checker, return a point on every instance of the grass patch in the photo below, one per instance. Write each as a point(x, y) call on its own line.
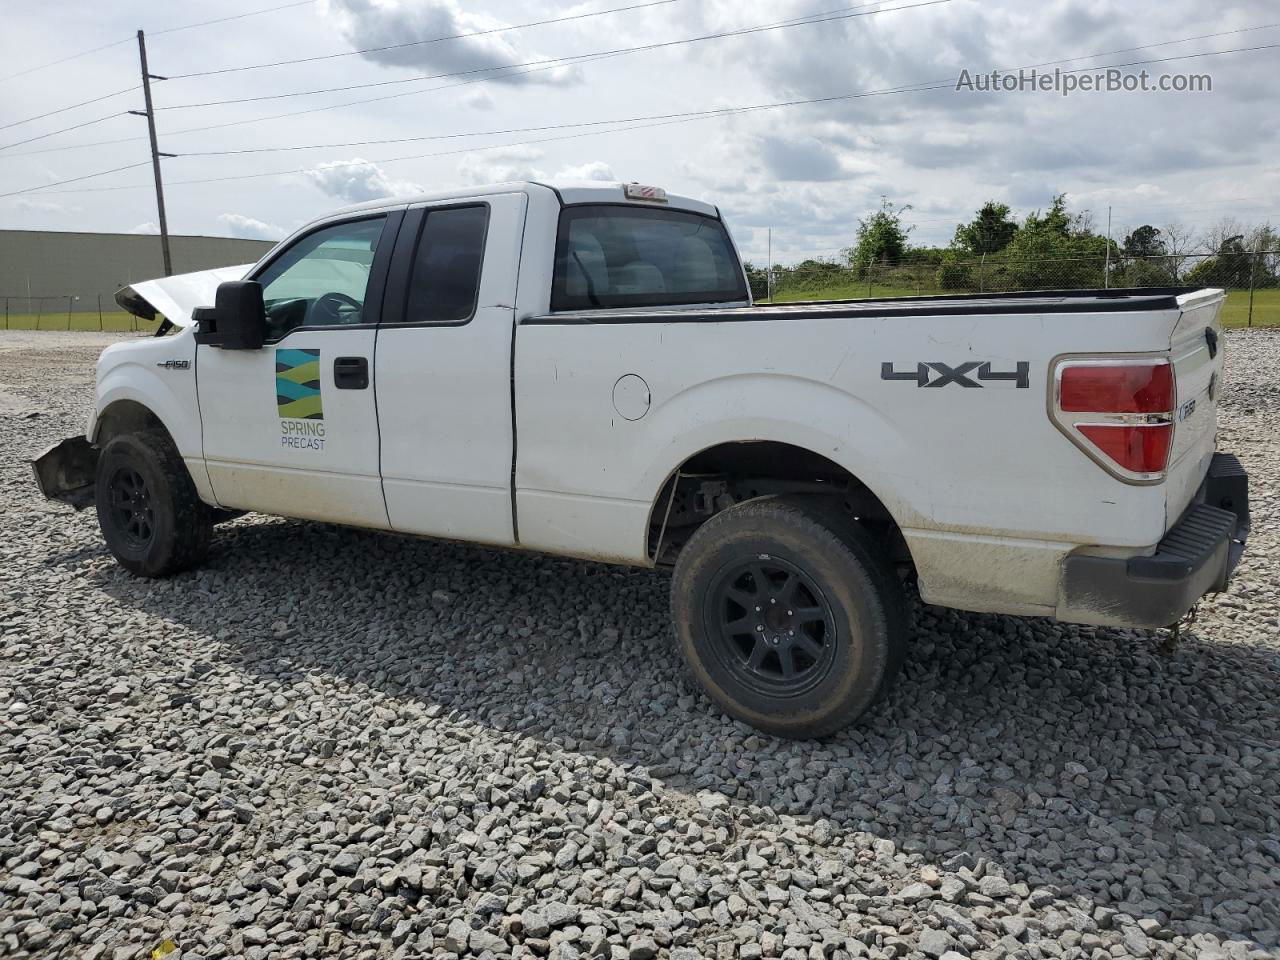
point(1235, 312)
point(1266, 308)
point(116, 320)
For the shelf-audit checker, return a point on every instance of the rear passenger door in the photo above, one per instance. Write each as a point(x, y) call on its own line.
point(444, 370)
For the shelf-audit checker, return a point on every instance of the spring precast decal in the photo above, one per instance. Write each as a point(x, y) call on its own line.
point(298, 399)
point(298, 384)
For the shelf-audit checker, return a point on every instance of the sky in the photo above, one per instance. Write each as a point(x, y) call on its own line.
point(797, 176)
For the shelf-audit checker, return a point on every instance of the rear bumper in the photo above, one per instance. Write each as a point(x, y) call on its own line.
point(1196, 556)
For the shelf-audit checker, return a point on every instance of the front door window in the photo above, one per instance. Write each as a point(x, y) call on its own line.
point(321, 280)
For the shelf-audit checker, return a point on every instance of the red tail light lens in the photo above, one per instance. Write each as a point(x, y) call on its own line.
point(1119, 412)
point(1140, 449)
point(1115, 388)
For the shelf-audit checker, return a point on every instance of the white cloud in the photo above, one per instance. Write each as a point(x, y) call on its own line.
point(247, 228)
point(479, 99)
point(594, 170)
point(801, 159)
point(515, 163)
point(358, 180)
point(942, 151)
point(393, 23)
point(502, 165)
point(147, 227)
point(39, 206)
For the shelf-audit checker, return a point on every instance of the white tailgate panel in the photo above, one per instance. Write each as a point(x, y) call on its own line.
point(1196, 421)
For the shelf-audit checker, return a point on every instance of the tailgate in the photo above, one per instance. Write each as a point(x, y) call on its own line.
point(1196, 348)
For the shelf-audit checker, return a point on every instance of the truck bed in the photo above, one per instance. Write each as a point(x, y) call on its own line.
point(1040, 302)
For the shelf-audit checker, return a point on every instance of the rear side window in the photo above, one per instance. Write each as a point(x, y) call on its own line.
point(445, 282)
point(616, 256)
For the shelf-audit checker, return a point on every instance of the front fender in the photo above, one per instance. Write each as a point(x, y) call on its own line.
point(158, 374)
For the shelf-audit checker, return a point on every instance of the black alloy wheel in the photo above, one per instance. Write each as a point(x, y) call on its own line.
point(775, 627)
point(131, 507)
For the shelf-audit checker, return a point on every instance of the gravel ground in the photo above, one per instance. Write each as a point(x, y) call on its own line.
point(334, 743)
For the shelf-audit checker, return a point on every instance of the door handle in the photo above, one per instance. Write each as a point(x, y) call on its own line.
point(351, 373)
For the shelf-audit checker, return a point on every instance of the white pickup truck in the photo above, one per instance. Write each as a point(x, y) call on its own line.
point(580, 370)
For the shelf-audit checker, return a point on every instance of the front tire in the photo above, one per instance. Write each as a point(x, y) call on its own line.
point(789, 615)
point(153, 521)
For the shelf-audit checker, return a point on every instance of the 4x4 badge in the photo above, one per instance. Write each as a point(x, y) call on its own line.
point(960, 374)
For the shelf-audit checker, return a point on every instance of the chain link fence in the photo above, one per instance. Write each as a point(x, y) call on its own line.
point(67, 311)
point(1251, 279)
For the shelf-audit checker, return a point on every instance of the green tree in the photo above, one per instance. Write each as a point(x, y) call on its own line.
point(882, 238)
point(1145, 261)
point(1053, 249)
point(988, 232)
point(1056, 222)
point(757, 280)
point(953, 273)
point(1144, 241)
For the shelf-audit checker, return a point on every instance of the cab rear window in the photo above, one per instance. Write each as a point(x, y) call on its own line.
point(621, 256)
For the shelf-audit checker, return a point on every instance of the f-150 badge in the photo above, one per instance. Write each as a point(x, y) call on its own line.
point(971, 373)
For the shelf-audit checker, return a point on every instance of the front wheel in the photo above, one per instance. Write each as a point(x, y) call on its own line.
point(788, 615)
point(150, 515)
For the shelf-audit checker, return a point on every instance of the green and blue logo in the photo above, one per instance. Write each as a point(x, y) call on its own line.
point(298, 384)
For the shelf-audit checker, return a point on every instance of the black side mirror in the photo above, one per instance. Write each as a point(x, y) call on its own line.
point(238, 319)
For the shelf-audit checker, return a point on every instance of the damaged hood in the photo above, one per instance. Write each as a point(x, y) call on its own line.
point(175, 297)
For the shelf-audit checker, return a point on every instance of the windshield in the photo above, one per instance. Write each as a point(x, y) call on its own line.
point(619, 256)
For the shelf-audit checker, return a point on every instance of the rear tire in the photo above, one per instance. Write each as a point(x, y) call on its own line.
point(148, 510)
point(789, 615)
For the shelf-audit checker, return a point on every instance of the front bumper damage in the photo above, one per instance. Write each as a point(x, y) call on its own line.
point(66, 472)
point(1196, 556)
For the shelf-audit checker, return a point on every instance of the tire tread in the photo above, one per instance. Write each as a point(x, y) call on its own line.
point(827, 527)
point(192, 526)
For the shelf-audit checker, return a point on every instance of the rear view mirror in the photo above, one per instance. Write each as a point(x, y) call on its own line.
point(237, 320)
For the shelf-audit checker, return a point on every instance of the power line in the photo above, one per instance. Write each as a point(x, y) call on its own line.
point(824, 17)
point(516, 69)
point(189, 26)
point(449, 136)
point(919, 87)
point(54, 133)
point(585, 59)
point(102, 143)
point(237, 123)
point(82, 103)
point(237, 16)
point(74, 56)
point(665, 122)
point(87, 176)
point(413, 43)
point(1151, 46)
point(582, 58)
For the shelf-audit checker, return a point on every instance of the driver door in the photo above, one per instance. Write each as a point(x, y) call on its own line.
point(291, 429)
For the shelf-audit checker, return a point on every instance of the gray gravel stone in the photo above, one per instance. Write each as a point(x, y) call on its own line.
point(332, 743)
point(934, 943)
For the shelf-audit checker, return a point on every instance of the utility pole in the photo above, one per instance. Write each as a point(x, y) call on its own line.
point(1106, 267)
point(769, 267)
point(1253, 273)
point(150, 114)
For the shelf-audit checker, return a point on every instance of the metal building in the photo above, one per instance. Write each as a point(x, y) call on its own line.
point(45, 270)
